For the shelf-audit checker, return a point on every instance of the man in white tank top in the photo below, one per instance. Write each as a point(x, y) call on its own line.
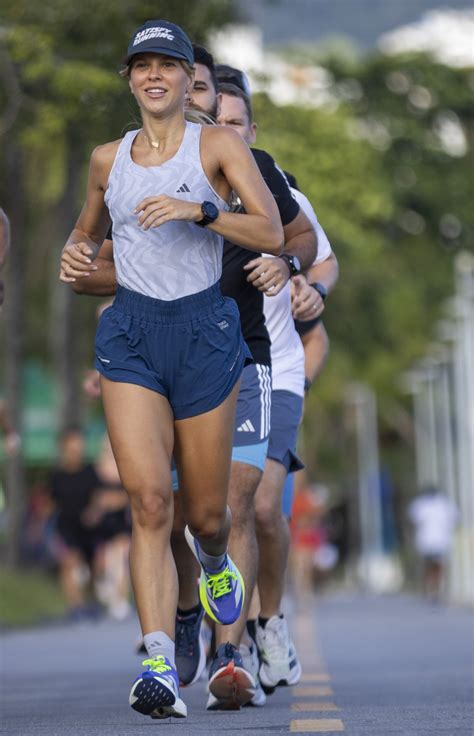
point(280, 664)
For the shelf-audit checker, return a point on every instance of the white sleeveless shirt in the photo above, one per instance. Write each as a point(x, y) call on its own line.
point(287, 350)
point(175, 259)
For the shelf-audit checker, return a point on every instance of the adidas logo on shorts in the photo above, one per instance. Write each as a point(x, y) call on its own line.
point(247, 426)
point(183, 188)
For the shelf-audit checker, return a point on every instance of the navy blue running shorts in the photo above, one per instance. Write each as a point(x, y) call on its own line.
point(287, 409)
point(190, 350)
point(252, 419)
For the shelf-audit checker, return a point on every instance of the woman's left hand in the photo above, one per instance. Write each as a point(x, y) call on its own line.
point(155, 211)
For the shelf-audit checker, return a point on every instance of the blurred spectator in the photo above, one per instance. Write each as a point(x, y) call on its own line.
point(109, 516)
point(306, 537)
point(72, 485)
point(11, 438)
point(434, 517)
point(38, 540)
point(4, 247)
point(336, 523)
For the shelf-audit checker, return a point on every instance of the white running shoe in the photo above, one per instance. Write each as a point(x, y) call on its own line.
point(279, 663)
point(251, 663)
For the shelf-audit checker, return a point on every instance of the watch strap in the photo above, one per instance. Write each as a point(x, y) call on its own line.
point(290, 263)
point(321, 289)
point(207, 219)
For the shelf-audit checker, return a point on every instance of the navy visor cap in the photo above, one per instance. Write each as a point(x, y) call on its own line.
point(160, 37)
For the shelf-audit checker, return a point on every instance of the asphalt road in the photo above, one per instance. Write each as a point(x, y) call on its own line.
point(372, 667)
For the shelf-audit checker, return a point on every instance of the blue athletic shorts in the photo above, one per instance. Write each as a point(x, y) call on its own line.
point(287, 409)
point(252, 419)
point(288, 493)
point(190, 350)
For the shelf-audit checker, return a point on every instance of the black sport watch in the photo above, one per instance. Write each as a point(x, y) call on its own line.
point(321, 289)
point(292, 262)
point(210, 213)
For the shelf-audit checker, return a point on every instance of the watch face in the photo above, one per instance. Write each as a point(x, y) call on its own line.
point(296, 263)
point(210, 210)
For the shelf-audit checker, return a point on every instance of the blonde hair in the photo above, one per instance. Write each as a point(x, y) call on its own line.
point(198, 116)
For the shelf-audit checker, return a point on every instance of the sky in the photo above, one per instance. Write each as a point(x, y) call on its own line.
point(362, 21)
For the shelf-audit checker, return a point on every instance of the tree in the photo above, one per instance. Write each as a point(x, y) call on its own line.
point(61, 95)
point(387, 167)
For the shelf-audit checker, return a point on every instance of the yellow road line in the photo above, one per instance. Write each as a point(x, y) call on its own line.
point(306, 642)
point(312, 707)
point(314, 725)
point(307, 645)
point(315, 677)
point(312, 691)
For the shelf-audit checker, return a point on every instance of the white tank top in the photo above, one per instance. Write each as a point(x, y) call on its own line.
point(286, 347)
point(178, 258)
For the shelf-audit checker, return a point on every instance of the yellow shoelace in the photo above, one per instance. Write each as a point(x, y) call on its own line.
point(157, 664)
point(219, 583)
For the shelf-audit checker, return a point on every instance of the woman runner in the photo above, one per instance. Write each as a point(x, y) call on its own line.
point(169, 349)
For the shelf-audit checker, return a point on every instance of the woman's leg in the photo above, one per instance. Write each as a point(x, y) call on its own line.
point(186, 565)
point(203, 450)
point(140, 425)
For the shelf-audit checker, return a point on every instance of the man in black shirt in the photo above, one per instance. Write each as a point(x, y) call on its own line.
point(72, 485)
point(4, 246)
point(228, 678)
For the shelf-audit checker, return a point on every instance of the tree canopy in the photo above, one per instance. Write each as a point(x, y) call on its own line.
point(385, 164)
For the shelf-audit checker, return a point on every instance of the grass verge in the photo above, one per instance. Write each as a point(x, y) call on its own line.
point(28, 597)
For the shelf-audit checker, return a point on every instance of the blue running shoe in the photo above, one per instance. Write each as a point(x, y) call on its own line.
point(222, 592)
point(190, 647)
point(155, 692)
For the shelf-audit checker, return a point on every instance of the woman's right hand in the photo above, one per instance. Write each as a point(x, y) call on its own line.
point(76, 261)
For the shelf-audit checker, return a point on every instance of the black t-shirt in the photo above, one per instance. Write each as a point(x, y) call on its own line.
point(234, 282)
point(234, 279)
point(72, 493)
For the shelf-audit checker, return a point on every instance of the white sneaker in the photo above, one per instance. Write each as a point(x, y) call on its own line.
point(120, 610)
point(251, 663)
point(280, 665)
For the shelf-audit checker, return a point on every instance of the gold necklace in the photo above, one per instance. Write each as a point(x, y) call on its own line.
point(154, 144)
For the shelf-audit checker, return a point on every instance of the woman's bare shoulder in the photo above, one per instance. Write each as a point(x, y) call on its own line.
point(221, 136)
point(102, 160)
point(105, 154)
